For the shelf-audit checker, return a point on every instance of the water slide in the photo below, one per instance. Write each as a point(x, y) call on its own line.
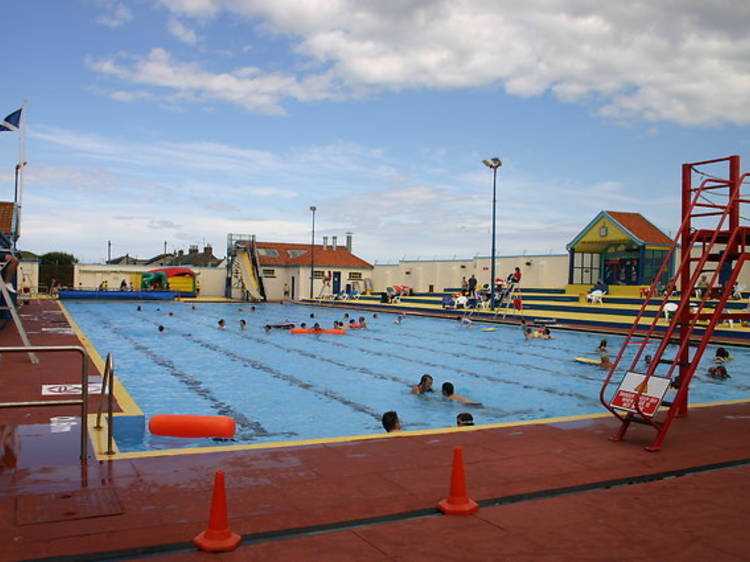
point(249, 272)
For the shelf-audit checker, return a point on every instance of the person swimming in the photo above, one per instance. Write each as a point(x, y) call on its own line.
point(448, 392)
point(718, 372)
point(464, 419)
point(425, 385)
point(243, 324)
point(722, 355)
point(602, 346)
point(221, 324)
point(362, 323)
point(160, 328)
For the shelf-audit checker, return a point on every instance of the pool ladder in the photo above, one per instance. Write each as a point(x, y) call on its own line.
point(107, 387)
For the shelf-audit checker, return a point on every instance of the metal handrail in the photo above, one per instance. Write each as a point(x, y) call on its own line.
point(82, 402)
point(107, 387)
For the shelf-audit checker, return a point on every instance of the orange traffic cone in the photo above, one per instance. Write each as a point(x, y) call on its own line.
point(458, 502)
point(218, 537)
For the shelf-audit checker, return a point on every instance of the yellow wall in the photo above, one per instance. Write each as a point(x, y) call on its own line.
point(592, 239)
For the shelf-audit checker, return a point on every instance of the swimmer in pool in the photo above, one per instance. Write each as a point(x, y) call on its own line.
point(362, 323)
point(722, 356)
point(243, 324)
point(464, 321)
point(391, 422)
point(528, 333)
point(448, 393)
point(718, 372)
point(464, 419)
point(222, 323)
point(425, 385)
point(602, 346)
point(160, 328)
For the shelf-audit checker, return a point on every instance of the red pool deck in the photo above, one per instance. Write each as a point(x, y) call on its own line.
point(565, 492)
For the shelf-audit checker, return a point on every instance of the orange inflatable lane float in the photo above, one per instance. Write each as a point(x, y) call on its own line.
point(175, 425)
point(321, 331)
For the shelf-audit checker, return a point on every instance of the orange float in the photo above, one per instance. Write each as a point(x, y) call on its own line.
point(308, 331)
point(177, 425)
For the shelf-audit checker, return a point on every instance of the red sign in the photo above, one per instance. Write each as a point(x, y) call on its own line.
point(625, 400)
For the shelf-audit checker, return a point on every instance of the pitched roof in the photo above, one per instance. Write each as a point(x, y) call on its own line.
point(299, 254)
point(6, 216)
point(640, 227)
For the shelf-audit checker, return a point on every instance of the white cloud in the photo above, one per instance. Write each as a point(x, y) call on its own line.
point(246, 86)
point(182, 32)
point(660, 61)
point(116, 14)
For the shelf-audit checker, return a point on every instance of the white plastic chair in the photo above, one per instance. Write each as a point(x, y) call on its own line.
point(737, 291)
point(596, 297)
point(669, 309)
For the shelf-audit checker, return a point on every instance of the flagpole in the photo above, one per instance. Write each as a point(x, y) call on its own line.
point(19, 173)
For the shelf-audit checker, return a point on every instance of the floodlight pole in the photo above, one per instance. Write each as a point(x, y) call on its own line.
point(493, 164)
point(312, 250)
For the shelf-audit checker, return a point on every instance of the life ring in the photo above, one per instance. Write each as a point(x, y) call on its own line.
point(176, 425)
point(308, 331)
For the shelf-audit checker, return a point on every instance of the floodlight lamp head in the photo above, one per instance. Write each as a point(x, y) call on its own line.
point(493, 163)
point(313, 208)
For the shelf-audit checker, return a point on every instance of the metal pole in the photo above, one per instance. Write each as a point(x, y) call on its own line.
point(109, 251)
point(492, 267)
point(312, 250)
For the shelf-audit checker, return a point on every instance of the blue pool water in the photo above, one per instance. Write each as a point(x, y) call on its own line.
point(281, 387)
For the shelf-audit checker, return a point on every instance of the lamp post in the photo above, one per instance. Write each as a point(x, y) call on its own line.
point(493, 164)
point(312, 250)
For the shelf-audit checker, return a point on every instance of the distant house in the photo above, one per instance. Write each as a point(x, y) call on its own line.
point(283, 264)
point(125, 260)
point(193, 257)
point(206, 258)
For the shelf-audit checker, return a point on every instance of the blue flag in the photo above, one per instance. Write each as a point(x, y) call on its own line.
point(11, 122)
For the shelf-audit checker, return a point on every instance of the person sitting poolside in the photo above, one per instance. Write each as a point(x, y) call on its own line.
point(448, 392)
point(425, 385)
point(391, 422)
point(8, 267)
point(722, 356)
point(464, 419)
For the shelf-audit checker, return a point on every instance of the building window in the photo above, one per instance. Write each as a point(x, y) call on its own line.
point(268, 252)
point(585, 268)
point(296, 253)
point(318, 274)
point(269, 273)
point(355, 276)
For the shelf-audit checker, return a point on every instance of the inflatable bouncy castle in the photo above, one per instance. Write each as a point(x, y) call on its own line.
point(177, 279)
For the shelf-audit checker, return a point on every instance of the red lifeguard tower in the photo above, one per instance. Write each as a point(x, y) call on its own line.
point(713, 246)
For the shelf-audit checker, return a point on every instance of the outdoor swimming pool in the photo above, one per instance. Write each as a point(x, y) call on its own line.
point(283, 387)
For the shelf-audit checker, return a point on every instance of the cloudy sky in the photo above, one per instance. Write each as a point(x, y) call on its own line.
point(178, 121)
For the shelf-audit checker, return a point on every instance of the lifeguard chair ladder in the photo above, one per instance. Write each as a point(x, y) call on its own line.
point(703, 250)
point(8, 222)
